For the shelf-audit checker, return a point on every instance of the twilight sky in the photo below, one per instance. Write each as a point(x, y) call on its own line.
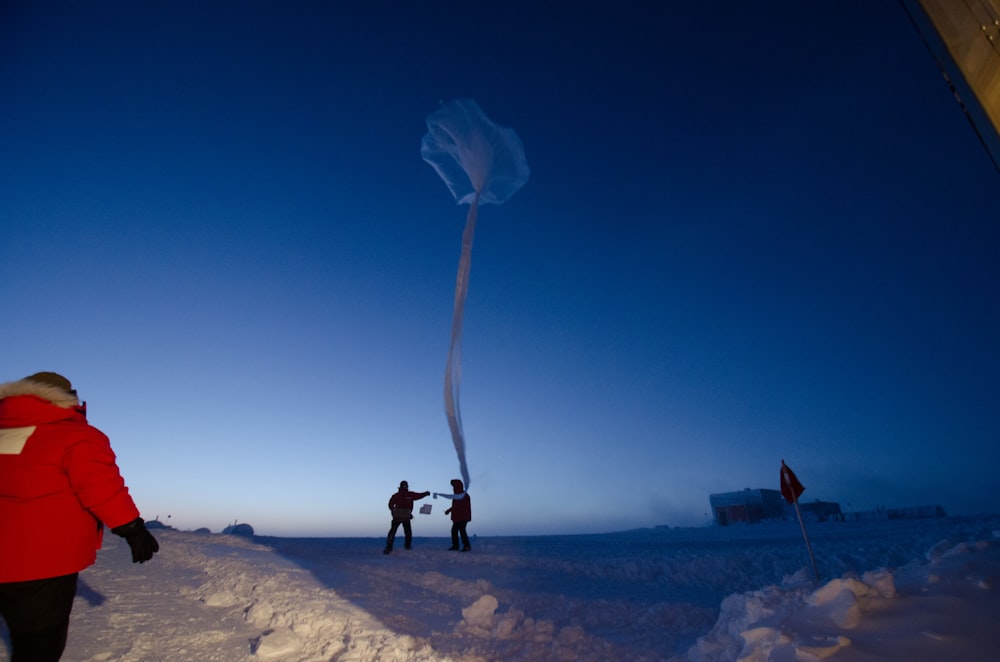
point(750, 233)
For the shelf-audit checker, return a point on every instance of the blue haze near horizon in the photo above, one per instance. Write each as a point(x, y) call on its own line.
point(750, 234)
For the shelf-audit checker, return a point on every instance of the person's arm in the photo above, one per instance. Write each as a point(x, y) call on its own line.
point(95, 478)
point(453, 497)
point(416, 496)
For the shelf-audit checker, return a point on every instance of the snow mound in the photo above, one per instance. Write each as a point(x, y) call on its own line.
point(790, 622)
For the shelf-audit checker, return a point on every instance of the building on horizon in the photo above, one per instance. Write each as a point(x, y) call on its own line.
point(746, 506)
point(911, 512)
point(749, 506)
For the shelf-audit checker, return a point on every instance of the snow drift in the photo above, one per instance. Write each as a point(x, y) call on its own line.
point(906, 590)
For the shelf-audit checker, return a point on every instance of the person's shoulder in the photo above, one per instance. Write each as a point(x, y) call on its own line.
point(77, 428)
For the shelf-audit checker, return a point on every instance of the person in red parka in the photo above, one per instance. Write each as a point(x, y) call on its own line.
point(401, 507)
point(59, 486)
point(461, 514)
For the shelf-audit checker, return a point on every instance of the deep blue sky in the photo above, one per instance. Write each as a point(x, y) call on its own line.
point(751, 233)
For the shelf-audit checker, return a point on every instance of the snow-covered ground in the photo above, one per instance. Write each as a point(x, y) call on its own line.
point(903, 590)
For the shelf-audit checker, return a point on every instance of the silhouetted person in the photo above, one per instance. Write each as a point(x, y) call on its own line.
point(59, 486)
point(461, 514)
point(401, 507)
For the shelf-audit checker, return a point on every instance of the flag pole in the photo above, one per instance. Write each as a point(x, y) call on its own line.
point(802, 525)
point(791, 488)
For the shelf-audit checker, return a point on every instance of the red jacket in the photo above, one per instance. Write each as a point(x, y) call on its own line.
point(58, 482)
point(402, 503)
point(461, 504)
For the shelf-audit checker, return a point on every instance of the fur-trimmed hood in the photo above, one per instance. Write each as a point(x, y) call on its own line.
point(53, 394)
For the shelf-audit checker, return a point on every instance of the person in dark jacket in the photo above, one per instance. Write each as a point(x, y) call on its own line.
point(461, 514)
point(59, 486)
point(401, 507)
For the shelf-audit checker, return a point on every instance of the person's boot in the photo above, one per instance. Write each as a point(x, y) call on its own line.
point(387, 550)
point(453, 548)
point(466, 549)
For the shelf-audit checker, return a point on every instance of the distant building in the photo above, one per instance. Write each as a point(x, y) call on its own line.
point(238, 530)
point(746, 506)
point(749, 506)
point(911, 512)
point(820, 511)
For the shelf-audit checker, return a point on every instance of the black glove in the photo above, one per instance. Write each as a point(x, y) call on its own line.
point(141, 541)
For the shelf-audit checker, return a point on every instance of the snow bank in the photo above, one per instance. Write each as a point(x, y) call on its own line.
point(905, 591)
point(944, 609)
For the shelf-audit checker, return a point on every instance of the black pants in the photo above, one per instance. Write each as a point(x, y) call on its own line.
point(458, 529)
point(407, 533)
point(37, 616)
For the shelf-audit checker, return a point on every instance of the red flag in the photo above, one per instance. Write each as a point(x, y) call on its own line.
point(791, 488)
